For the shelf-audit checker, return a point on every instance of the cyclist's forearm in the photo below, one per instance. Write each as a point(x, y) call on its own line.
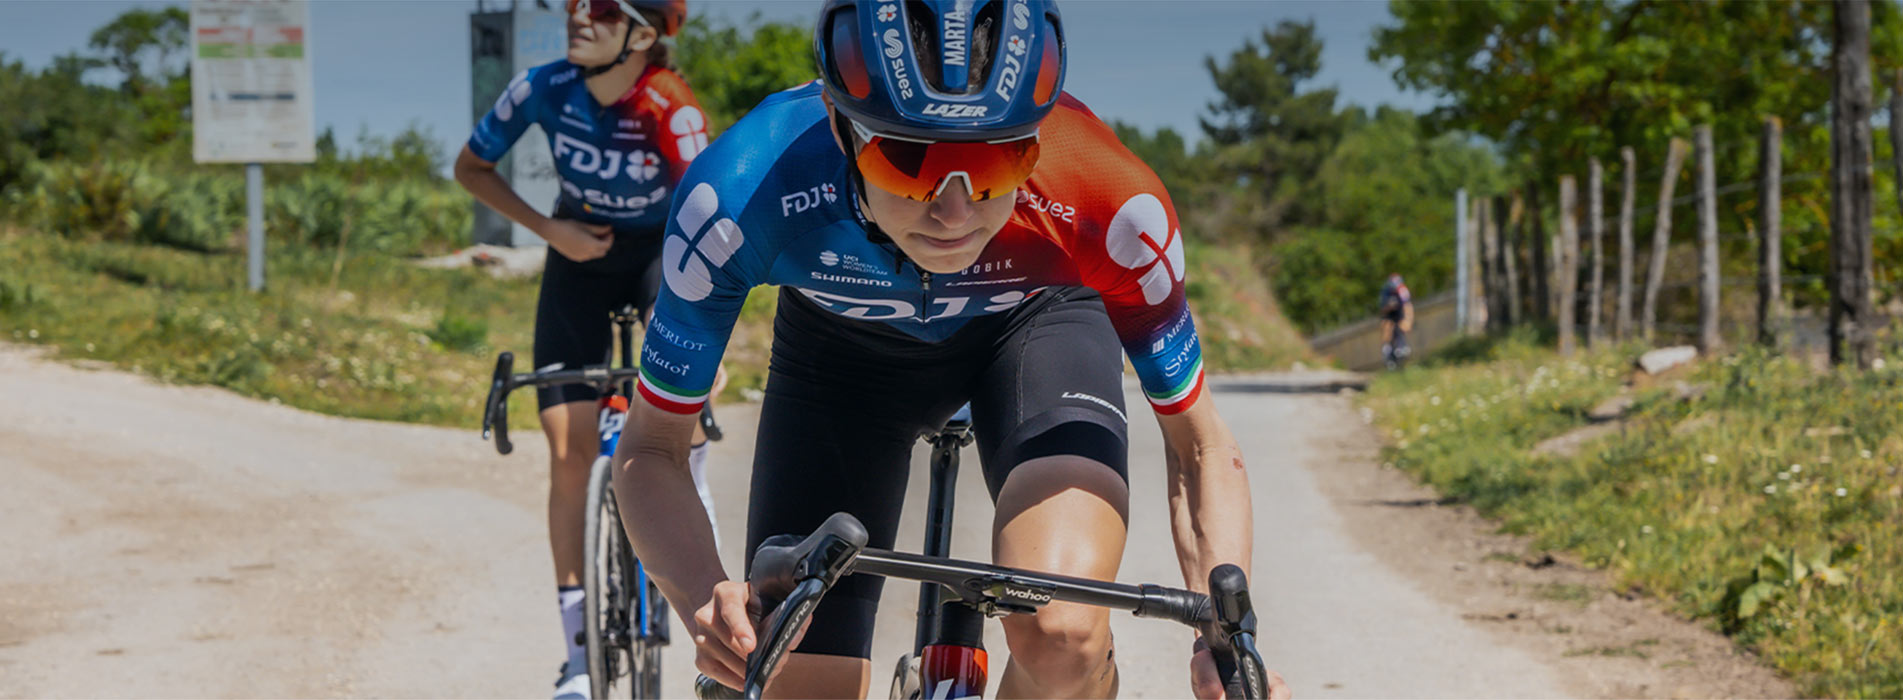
point(666, 523)
point(482, 181)
point(1210, 506)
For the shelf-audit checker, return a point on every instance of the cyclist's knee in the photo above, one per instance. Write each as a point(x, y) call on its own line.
point(1063, 647)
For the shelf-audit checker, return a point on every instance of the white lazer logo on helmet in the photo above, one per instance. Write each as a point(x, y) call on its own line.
point(690, 257)
point(893, 47)
point(1131, 240)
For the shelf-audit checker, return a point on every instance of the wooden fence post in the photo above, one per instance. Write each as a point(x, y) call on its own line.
point(1510, 228)
point(1595, 229)
point(1479, 305)
point(1565, 257)
point(1490, 277)
point(1622, 320)
point(1852, 315)
point(1770, 235)
point(1708, 288)
point(1661, 237)
point(1896, 134)
point(1538, 265)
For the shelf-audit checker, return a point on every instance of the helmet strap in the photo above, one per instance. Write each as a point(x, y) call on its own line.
point(855, 180)
point(621, 58)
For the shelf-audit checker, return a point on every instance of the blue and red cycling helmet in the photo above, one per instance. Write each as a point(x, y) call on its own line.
point(935, 89)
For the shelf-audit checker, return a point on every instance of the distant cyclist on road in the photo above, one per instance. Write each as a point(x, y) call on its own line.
point(1397, 320)
point(947, 226)
point(623, 127)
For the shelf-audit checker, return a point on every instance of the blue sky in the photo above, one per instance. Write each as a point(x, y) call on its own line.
point(382, 64)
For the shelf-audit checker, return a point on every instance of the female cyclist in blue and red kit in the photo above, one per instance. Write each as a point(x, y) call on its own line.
point(622, 126)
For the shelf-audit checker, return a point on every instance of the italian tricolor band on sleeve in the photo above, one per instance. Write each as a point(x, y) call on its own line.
point(669, 398)
point(1180, 397)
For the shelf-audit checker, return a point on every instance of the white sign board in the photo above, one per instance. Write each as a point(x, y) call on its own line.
point(251, 82)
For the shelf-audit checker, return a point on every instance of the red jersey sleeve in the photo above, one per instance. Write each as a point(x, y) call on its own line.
point(680, 127)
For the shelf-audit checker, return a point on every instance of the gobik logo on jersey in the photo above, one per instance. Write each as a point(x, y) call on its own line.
point(1139, 236)
point(640, 166)
point(690, 254)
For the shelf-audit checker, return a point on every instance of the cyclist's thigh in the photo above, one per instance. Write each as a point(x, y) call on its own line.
point(842, 413)
point(1054, 387)
point(571, 325)
point(642, 285)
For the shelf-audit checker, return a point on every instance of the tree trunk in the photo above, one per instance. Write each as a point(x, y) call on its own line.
point(1770, 235)
point(1852, 316)
point(1480, 303)
point(1540, 270)
point(1661, 237)
point(1510, 259)
point(1622, 320)
point(1595, 229)
point(1565, 257)
point(1896, 132)
point(1709, 340)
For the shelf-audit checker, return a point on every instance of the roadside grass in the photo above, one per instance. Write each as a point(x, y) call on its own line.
point(1769, 506)
point(375, 338)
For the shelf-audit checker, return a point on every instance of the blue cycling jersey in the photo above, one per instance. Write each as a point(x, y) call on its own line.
point(616, 162)
point(768, 204)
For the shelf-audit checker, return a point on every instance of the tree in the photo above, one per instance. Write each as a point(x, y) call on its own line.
point(131, 42)
point(731, 70)
point(1268, 133)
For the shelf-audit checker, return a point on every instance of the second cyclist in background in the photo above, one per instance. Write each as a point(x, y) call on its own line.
point(623, 126)
point(1397, 320)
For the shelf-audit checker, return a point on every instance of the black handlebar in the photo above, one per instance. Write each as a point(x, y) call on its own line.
point(495, 410)
point(792, 573)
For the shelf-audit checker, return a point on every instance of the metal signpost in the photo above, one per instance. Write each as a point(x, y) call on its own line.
point(251, 96)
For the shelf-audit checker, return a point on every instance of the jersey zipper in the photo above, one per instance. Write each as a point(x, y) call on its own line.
point(925, 295)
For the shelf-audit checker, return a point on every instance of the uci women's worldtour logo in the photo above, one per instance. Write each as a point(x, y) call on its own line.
point(690, 255)
point(1139, 236)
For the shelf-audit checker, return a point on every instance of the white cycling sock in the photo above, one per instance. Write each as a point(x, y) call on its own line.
point(570, 598)
point(697, 465)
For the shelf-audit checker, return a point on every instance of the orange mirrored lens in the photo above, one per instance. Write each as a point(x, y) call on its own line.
point(917, 171)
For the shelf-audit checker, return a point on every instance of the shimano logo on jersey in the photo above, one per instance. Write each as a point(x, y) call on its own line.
point(952, 111)
point(807, 199)
point(1106, 404)
point(823, 277)
point(955, 32)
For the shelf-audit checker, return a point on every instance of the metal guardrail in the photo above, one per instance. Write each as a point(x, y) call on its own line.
point(1357, 345)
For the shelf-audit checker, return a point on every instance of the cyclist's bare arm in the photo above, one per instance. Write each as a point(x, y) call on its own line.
point(487, 186)
point(666, 523)
point(1210, 514)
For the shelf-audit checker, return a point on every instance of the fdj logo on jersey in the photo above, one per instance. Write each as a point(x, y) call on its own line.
point(806, 199)
point(640, 166)
point(900, 309)
point(690, 254)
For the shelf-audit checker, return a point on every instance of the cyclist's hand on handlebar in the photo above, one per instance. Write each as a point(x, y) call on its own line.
point(728, 630)
point(1206, 684)
point(577, 241)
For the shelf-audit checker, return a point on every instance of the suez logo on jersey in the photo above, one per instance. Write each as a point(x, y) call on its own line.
point(584, 157)
point(900, 309)
point(808, 198)
point(689, 258)
point(1132, 241)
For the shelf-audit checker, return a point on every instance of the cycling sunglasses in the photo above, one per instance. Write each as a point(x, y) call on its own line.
point(920, 170)
point(606, 10)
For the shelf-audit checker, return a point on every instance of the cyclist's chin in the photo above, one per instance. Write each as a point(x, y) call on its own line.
point(942, 256)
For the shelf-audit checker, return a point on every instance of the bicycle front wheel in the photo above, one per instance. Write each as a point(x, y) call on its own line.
point(608, 582)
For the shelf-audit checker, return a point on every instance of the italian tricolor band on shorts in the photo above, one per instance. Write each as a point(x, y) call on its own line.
point(1180, 397)
point(668, 398)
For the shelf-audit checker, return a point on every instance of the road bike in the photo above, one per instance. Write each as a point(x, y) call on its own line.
point(948, 659)
point(625, 615)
